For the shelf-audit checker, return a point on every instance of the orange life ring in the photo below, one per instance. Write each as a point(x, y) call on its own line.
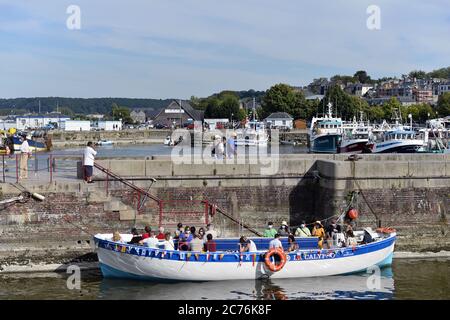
point(386, 230)
point(272, 266)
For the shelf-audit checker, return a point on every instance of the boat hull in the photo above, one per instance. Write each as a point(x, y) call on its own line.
point(325, 143)
point(354, 147)
point(135, 262)
point(398, 147)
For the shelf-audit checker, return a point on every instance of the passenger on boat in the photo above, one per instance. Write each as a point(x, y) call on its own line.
point(210, 245)
point(367, 238)
point(246, 245)
point(283, 231)
point(193, 231)
point(276, 243)
point(117, 237)
point(334, 235)
point(319, 232)
point(185, 239)
point(231, 146)
point(351, 240)
point(147, 232)
point(196, 244)
point(136, 237)
point(179, 230)
point(201, 234)
point(152, 241)
point(161, 235)
point(270, 232)
point(303, 231)
point(293, 245)
point(210, 230)
point(168, 242)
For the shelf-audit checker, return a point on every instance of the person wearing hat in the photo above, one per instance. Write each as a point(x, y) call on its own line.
point(284, 229)
point(270, 232)
point(25, 154)
point(318, 231)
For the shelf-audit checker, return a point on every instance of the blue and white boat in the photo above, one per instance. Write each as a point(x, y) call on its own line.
point(399, 140)
point(325, 133)
point(121, 260)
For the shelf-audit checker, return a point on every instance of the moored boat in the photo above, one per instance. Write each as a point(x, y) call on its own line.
point(325, 133)
point(121, 260)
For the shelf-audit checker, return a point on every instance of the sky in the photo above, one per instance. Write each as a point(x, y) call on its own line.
point(182, 48)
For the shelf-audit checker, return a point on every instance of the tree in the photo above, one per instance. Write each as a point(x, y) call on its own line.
point(362, 76)
point(121, 113)
point(390, 106)
point(223, 105)
point(279, 98)
point(418, 74)
point(345, 105)
point(443, 105)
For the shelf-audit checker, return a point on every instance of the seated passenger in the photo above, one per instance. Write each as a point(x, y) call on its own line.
point(147, 232)
point(276, 243)
point(367, 236)
point(185, 239)
point(351, 239)
point(303, 231)
point(152, 241)
point(117, 237)
point(210, 244)
point(179, 231)
point(334, 234)
point(319, 232)
point(246, 245)
point(136, 237)
point(201, 234)
point(196, 243)
point(283, 231)
point(293, 245)
point(270, 231)
point(168, 243)
point(161, 235)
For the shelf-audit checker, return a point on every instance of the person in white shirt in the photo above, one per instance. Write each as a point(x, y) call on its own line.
point(276, 243)
point(168, 243)
point(152, 241)
point(89, 157)
point(25, 154)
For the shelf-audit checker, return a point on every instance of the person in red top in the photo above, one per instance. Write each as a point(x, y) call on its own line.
point(147, 232)
point(161, 235)
point(210, 244)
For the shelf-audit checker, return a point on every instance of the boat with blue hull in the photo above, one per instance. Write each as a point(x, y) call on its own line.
point(325, 133)
point(121, 260)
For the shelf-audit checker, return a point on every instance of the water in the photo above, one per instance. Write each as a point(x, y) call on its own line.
point(407, 279)
point(146, 150)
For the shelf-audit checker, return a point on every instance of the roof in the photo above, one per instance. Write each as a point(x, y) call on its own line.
point(279, 115)
point(197, 115)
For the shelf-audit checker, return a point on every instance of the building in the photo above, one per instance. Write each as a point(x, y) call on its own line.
point(177, 113)
point(443, 88)
point(39, 121)
point(279, 120)
point(405, 101)
point(95, 116)
point(138, 116)
point(358, 89)
point(76, 125)
point(423, 95)
point(110, 125)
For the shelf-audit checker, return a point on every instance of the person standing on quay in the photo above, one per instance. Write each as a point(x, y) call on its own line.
point(25, 154)
point(89, 157)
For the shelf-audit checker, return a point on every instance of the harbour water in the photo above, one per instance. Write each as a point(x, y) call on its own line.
point(407, 279)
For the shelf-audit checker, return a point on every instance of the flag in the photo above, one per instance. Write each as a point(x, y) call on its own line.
point(182, 256)
point(123, 249)
point(254, 259)
point(196, 256)
point(188, 256)
point(207, 256)
point(221, 256)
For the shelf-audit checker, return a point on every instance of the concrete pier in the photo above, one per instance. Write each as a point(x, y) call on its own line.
point(408, 192)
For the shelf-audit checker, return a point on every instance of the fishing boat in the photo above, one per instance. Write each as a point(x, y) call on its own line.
point(325, 133)
point(399, 140)
point(121, 260)
point(254, 134)
point(35, 146)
